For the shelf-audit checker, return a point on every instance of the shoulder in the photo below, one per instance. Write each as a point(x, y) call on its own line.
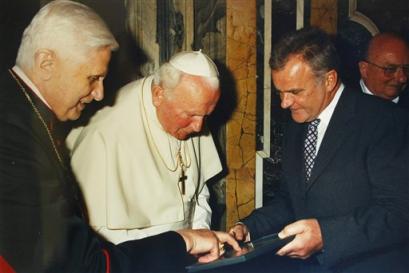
point(372, 113)
point(372, 105)
point(110, 120)
point(126, 100)
point(132, 89)
point(14, 109)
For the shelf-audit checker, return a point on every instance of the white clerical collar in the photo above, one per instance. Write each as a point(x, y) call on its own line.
point(29, 83)
point(150, 109)
point(148, 103)
point(367, 91)
point(161, 139)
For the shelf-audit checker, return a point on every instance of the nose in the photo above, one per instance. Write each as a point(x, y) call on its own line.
point(286, 100)
point(197, 124)
point(98, 91)
point(401, 76)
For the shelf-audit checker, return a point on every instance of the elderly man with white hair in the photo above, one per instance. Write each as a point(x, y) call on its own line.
point(143, 163)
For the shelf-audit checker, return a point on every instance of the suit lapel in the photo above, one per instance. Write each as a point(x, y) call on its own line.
point(335, 134)
point(294, 155)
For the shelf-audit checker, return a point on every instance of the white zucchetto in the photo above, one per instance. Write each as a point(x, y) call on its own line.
point(194, 63)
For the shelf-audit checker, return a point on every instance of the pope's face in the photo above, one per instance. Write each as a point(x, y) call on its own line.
point(182, 111)
point(75, 83)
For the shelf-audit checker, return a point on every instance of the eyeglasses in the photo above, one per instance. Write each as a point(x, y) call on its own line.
point(391, 69)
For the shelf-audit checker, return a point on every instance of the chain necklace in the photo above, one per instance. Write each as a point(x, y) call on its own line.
point(183, 163)
point(40, 117)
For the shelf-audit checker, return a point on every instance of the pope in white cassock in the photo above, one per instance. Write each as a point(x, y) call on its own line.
point(142, 164)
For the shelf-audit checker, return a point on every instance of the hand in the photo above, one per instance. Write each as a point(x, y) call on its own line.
point(240, 232)
point(207, 242)
point(307, 241)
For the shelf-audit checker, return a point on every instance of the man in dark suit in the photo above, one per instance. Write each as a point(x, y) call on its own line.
point(344, 189)
point(60, 67)
point(385, 68)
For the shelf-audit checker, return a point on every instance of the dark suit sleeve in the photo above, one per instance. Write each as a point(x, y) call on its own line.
point(272, 217)
point(165, 252)
point(383, 223)
point(40, 229)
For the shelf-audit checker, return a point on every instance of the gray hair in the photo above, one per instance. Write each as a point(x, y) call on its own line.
point(315, 47)
point(169, 77)
point(66, 27)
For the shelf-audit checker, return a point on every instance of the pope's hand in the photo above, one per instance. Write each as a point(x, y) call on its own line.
point(207, 243)
point(240, 232)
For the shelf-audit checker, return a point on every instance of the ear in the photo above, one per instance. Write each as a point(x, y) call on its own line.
point(45, 63)
point(331, 80)
point(363, 69)
point(158, 95)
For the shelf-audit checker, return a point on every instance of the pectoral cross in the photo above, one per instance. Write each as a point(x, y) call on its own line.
point(182, 177)
point(182, 181)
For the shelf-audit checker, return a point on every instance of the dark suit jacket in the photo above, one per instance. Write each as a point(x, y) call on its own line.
point(404, 99)
point(358, 188)
point(41, 223)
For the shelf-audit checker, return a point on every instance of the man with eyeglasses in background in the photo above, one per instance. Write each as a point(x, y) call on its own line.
point(385, 68)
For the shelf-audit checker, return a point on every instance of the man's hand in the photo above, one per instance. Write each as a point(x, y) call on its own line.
point(307, 241)
point(207, 243)
point(240, 232)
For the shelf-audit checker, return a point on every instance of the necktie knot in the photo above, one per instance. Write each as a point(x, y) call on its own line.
point(310, 147)
point(314, 124)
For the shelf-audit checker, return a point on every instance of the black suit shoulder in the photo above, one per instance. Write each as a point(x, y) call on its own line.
point(371, 108)
point(404, 99)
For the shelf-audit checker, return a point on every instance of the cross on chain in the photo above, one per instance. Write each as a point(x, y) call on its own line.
point(182, 181)
point(310, 146)
point(182, 177)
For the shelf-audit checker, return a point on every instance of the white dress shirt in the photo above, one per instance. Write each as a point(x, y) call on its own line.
point(367, 91)
point(325, 116)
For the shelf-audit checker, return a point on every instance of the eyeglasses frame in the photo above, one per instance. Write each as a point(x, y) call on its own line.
point(395, 67)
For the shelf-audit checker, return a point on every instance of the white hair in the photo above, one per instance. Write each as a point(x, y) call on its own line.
point(169, 77)
point(67, 27)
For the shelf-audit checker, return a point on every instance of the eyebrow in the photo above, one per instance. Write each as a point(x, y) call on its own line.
point(294, 90)
point(103, 75)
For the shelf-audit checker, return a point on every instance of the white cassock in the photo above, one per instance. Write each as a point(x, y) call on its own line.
point(128, 171)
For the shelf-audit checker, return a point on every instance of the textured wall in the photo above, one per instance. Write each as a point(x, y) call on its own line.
point(240, 130)
point(324, 15)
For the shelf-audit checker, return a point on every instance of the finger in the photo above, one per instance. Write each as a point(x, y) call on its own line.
point(221, 249)
point(213, 254)
point(292, 229)
point(233, 232)
point(293, 256)
point(290, 254)
point(207, 258)
point(237, 232)
point(288, 248)
point(297, 255)
point(281, 252)
point(227, 238)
